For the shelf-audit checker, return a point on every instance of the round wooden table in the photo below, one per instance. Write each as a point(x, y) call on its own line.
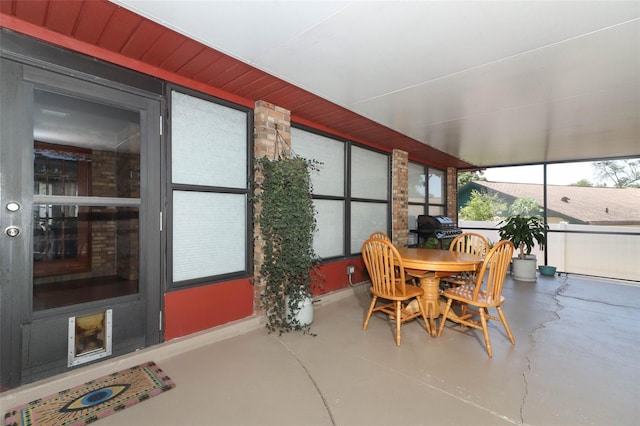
point(428, 265)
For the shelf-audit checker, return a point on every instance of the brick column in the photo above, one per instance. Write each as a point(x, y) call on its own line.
point(271, 137)
point(400, 198)
point(452, 193)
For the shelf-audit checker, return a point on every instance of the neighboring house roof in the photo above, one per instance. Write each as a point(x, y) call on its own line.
point(589, 205)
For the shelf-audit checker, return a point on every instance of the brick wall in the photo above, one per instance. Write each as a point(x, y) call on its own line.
point(272, 137)
point(272, 130)
point(103, 226)
point(452, 193)
point(400, 197)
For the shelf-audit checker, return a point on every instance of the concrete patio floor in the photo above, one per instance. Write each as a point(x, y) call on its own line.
point(576, 362)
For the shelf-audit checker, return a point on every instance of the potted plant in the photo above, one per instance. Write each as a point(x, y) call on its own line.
point(431, 243)
point(286, 219)
point(547, 270)
point(524, 232)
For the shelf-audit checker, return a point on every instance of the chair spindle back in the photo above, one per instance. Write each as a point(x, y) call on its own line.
point(470, 242)
point(384, 264)
point(495, 267)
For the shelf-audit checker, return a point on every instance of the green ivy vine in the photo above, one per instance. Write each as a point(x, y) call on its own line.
point(286, 217)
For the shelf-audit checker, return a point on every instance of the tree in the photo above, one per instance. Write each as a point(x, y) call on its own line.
point(466, 177)
point(482, 206)
point(421, 186)
point(623, 173)
point(581, 182)
point(526, 207)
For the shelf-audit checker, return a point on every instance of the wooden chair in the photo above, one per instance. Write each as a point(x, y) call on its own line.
point(495, 267)
point(472, 243)
point(388, 282)
point(380, 234)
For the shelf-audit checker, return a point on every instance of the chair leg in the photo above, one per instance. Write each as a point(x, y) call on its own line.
point(444, 316)
point(463, 309)
point(506, 325)
point(398, 321)
point(432, 313)
point(424, 317)
point(366, 320)
point(485, 330)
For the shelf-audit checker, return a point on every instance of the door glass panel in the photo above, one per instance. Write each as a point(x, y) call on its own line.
point(86, 201)
point(74, 266)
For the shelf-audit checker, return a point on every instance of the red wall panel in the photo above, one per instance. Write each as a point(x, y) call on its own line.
point(199, 308)
point(335, 275)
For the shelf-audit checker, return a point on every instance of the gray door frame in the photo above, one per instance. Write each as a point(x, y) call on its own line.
point(20, 326)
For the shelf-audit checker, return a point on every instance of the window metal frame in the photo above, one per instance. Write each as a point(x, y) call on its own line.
point(347, 197)
point(427, 204)
point(171, 187)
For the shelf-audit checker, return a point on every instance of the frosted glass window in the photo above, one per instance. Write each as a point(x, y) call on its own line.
point(209, 234)
point(329, 237)
point(369, 174)
point(208, 143)
point(366, 218)
point(329, 179)
point(417, 183)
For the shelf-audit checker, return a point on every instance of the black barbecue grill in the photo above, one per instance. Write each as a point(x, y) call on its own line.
point(441, 228)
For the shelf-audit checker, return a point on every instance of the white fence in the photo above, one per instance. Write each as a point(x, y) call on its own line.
point(610, 256)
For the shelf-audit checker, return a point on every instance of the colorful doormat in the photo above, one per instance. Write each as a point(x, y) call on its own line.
point(98, 398)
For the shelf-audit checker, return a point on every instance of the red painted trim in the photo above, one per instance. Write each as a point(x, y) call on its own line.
point(57, 39)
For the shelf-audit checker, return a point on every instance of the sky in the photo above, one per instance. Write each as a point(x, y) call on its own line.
point(557, 174)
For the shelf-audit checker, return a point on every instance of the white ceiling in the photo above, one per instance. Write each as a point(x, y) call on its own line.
point(490, 82)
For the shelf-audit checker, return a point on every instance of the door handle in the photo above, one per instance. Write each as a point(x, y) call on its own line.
point(12, 231)
point(13, 206)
